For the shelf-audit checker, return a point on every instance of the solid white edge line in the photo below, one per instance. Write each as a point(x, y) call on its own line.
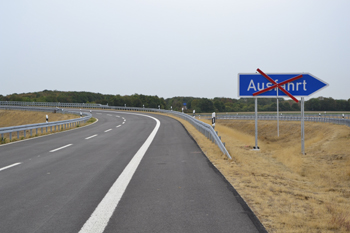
point(108, 130)
point(103, 212)
point(91, 136)
point(60, 148)
point(9, 166)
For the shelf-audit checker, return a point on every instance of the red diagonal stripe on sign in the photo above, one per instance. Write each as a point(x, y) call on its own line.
point(279, 85)
point(265, 90)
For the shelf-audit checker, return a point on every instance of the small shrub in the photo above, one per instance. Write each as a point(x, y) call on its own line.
point(91, 120)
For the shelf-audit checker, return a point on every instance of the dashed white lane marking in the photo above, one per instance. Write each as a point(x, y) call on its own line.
point(109, 115)
point(91, 136)
point(60, 148)
point(9, 166)
point(117, 116)
point(118, 126)
point(123, 122)
point(103, 212)
point(108, 130)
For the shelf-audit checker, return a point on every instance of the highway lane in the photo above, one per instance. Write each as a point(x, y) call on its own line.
point(174, 188)
point(60, 189)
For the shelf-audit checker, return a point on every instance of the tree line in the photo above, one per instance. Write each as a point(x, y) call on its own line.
point(218, 104)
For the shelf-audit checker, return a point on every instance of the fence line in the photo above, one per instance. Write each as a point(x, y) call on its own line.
point(335, 119)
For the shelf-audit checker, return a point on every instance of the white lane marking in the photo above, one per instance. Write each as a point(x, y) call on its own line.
point(60, 148)
point(109, 115)
point(9, 166)
point(91, 136)
point(103, 212)
point(108, 130)
point(118, 126)
point(123, 122)
point(117, 116)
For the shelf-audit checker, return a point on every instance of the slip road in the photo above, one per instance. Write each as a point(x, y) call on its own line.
point(126, 173)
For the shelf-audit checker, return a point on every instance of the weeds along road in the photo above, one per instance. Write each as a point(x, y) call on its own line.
point(126, 173)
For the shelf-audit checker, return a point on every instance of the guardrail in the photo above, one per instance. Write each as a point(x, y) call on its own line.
point(56, 125)
point(335, 119)
point(202, 127)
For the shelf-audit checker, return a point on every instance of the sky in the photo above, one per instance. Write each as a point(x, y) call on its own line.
point(171, 47)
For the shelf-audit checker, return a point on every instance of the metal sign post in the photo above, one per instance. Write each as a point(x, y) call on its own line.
point(302, 127)
point(278, 118)
point(256, 125)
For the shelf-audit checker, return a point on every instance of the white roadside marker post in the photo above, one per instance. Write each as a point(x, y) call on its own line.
point(213, 119)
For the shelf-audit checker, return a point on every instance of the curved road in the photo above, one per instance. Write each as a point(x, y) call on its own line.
point(126, 173)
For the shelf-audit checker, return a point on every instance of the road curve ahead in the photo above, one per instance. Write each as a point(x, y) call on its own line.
point(126, 173)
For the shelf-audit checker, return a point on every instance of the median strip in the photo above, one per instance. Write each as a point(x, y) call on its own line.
point(61, 148)
point(9, 166)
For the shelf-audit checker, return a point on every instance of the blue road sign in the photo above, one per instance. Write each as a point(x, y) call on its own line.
point(248, 84)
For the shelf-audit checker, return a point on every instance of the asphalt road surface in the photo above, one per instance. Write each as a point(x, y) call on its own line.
point(126, 173)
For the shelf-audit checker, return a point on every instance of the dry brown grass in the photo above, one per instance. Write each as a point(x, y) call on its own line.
point(15, 117)
point(288, 191)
